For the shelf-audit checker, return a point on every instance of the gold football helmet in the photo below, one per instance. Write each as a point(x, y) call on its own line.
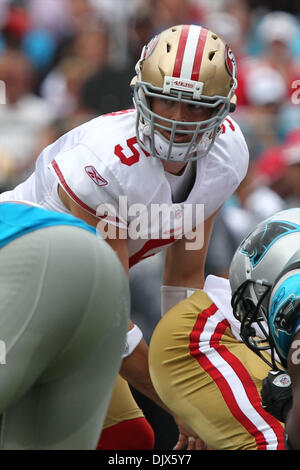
point(188, 64)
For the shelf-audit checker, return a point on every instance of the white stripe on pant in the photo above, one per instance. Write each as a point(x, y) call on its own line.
point(233, 381)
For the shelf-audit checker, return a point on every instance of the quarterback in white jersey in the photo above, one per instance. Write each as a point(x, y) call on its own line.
point(177, 149)
point(98, 168)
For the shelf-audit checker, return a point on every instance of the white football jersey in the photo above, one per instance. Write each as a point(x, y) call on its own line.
point(102, 168)
point(219, 291)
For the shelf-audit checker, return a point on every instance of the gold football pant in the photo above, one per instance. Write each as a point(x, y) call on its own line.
point(211, 380)
point(122, 405)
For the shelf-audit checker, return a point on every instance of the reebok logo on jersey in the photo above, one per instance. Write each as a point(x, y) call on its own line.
point(94, 175)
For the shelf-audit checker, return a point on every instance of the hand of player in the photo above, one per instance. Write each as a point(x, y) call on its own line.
point(187, 439)
point(276, 394)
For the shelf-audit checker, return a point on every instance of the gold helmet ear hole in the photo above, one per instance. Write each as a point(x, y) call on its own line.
point(214, 36)
point(211, 55)
point(168, 47)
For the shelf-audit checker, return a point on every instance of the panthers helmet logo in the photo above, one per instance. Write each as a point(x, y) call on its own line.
point(260, 241)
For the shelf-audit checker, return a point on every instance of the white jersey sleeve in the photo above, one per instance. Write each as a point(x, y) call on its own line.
point(88, 182)
point(224, 169)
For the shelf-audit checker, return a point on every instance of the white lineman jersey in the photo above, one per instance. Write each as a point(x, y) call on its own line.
point(219, 291)
point(102, 168)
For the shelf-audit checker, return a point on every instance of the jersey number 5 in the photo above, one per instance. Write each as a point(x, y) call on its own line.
point(132, 159)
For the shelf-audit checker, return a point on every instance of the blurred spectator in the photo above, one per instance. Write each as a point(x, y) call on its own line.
point(232, 31)
point(108, 90)
point(291, 6)
point(80, 12)
point(242, 13)
point(279, 167)
point(23, 116)
point(271, 39)
point(91, 44)
point(277, 30)
point(266, 92)
point(265, 87)
point(166, 13)
point(4, 9)
point(293, 137)
point(117, 15)
point(270, 168)
point(234, 21)
point(140, 31)
point(252, 202)
point(17, 23)
point(42, 28)
point(60, 17)
point(228, 27)
point(87, 53)
point(19, 32)
point(40, 47)
point(291, 155)
point(50, 15)
point(116, 10)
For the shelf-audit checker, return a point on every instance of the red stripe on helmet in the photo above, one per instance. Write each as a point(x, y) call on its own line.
point(199, 54)
point(180, 51)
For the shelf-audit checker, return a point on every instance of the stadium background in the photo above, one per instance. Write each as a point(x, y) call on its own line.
point(64, 62)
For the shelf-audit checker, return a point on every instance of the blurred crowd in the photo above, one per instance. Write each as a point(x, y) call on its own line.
point(63, 62)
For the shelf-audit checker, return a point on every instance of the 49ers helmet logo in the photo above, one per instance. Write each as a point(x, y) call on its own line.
point(150, 47)
point(230, 61)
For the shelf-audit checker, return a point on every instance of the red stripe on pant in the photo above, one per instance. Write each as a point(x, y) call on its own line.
point(240, 371)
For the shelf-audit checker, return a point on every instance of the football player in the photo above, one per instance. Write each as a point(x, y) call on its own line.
point(64, 315)
point(265, 282)
point(177, 147)
point(208, 377)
